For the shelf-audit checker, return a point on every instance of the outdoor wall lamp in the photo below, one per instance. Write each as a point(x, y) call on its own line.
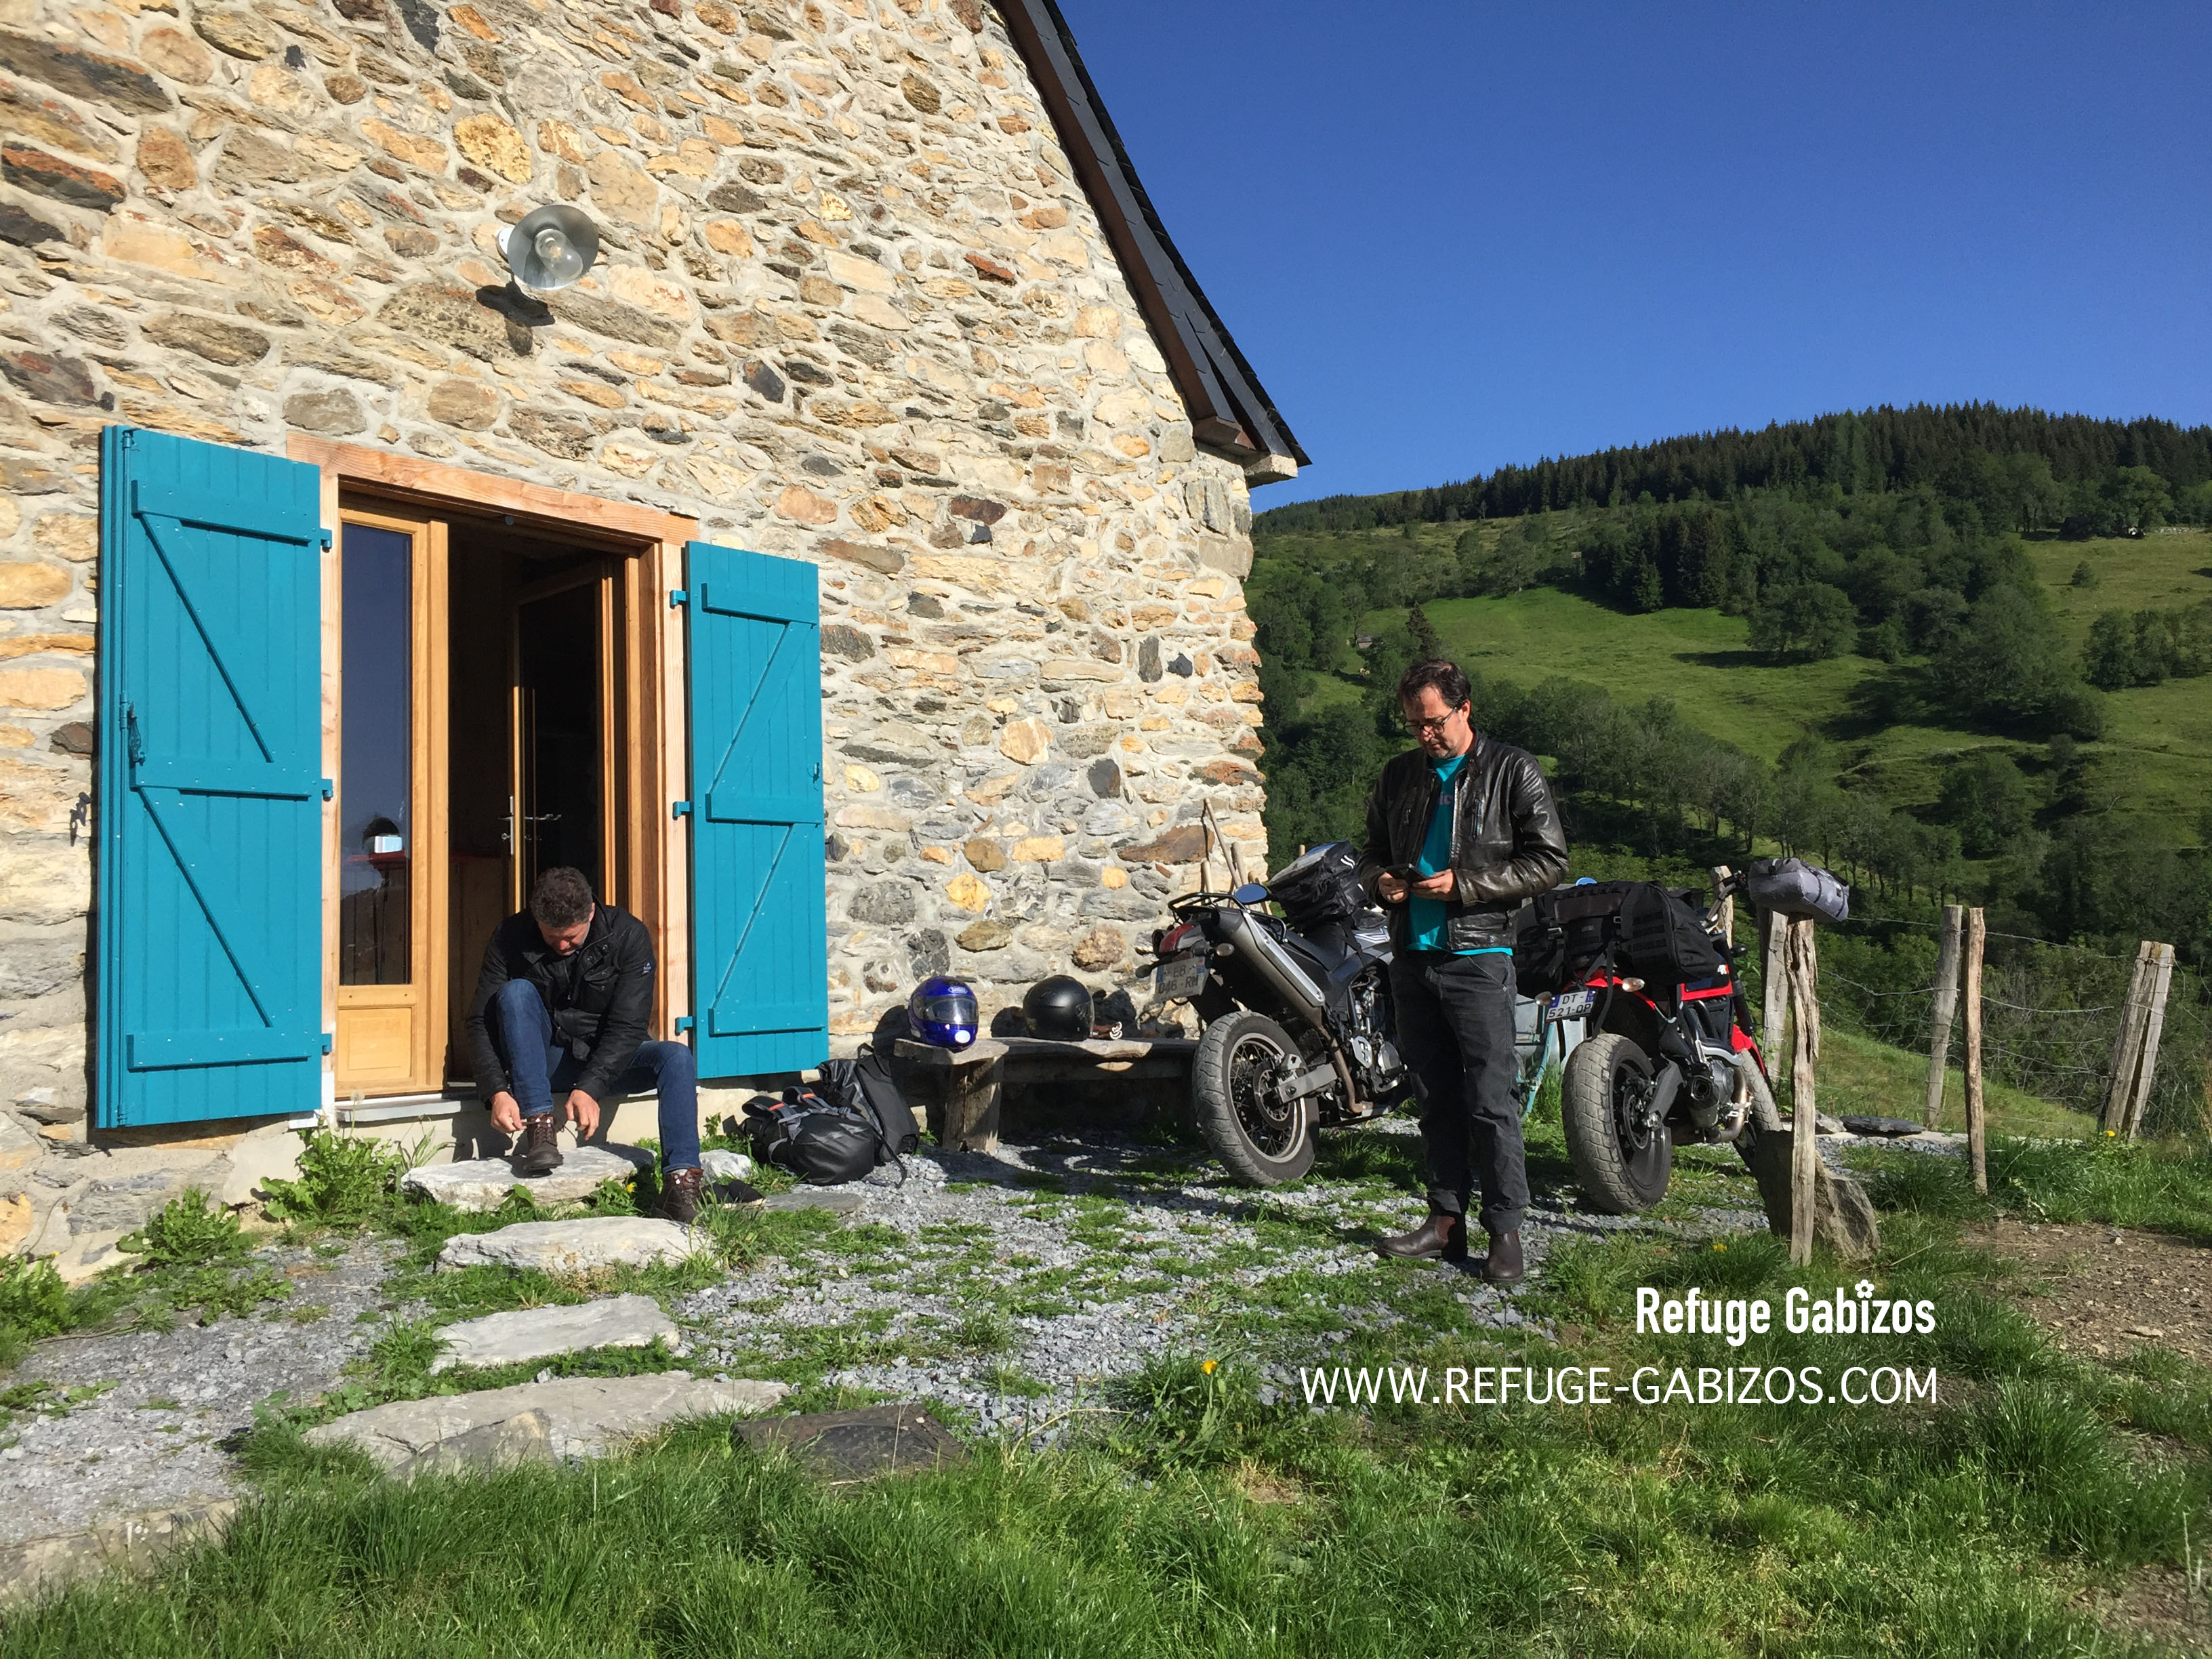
point(552, 247)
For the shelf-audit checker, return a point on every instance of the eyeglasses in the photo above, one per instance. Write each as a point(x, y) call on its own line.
point(1424, 728)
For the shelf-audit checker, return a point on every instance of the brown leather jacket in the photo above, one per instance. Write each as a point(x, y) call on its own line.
point(1508, 844)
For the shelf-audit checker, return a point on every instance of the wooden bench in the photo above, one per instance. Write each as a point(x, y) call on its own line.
point(960, 1089)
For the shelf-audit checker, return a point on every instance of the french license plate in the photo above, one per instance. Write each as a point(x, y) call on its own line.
point(1572, 1005)
point(1182, 979)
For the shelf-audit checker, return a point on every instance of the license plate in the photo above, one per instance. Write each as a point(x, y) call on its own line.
point(1182, 979)
point(1572, 1005)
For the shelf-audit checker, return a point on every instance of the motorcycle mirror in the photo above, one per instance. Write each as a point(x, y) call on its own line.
point(1251, 892)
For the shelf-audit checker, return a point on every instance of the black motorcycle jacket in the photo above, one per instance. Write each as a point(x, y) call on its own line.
point(600, 998)
point(1507, 843)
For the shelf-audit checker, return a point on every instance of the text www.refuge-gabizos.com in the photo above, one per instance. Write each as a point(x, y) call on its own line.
point(1859, 1312)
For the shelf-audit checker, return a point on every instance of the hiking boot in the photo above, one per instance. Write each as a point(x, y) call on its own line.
point(679, 1195)
point(1441, 1236)
point(541, 1144)
point(1505, 1265)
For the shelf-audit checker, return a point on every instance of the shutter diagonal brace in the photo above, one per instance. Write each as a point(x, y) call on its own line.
point(752, 915)
point(174, 835)
point(207, 638)
point(752, 701)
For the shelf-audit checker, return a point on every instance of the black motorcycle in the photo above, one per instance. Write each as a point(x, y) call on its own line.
point(1296, 1010)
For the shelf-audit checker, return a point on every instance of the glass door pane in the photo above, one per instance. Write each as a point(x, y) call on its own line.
point(376, 769)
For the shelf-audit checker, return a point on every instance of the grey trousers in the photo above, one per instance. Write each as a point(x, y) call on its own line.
point(1454, 1020)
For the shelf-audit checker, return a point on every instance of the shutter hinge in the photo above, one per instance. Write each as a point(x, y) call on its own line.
point(330, 1041)
point(329, 789)
point(326, 540)
point(685, 1023)
point(677, 596)
point(681, 809)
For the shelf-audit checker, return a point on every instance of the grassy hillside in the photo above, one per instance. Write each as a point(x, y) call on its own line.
point(2155, 758)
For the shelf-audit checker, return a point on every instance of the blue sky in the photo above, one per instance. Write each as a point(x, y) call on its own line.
point(1453, 236)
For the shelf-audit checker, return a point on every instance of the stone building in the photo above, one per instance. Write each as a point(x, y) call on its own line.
point(881, 327)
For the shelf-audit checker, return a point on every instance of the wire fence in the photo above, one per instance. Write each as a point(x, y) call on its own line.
point(2050, 1013)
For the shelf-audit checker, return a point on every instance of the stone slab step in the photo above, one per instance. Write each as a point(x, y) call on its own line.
point(858, 1445)
point(816, 1197)
point(720, 1164)
point(505, 1338)
point(569, 1417)
point(575, 1247)
point(482, 1183)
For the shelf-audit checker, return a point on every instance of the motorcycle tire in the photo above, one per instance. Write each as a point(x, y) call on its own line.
point(1619, 1175)
point(1239, 1056)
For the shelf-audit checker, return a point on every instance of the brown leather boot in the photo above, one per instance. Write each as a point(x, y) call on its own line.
point(679, 1195)
point(1441, 1236)
point(541, 1144)
point(1505, 1265)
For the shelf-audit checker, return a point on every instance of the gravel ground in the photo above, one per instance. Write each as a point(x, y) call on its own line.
point(153, 1438)
point(1184, 1261)
point(1010, 1288)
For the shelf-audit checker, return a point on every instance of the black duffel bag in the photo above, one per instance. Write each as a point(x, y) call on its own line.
point(1663, 942)
point(1791, 887)
point(823, 1141)
point(1638, 929)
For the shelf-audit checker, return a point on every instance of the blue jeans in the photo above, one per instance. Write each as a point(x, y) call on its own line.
point(541, 1071)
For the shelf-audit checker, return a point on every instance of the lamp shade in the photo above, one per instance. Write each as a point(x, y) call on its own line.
point(552, 247)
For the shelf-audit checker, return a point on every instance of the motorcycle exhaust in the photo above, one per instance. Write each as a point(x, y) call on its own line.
point(1287, 978)
point(1290, 983)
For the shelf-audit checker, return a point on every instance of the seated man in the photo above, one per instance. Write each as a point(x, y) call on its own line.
point(561, 1011)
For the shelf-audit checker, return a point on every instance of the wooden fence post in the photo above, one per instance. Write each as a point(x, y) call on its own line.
point(1947, 1004)
point(1804, 977)
point(1774, 968)
point(1976, 1129)
point(2126, 1041)
point(2159, 973)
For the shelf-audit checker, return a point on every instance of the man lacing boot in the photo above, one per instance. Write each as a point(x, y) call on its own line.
point(679, 1195)
point(1441, 1235)
point(541, 1144)
point(1505, 1266)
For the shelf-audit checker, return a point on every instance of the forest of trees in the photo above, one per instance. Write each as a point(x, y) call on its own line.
point(1919, 563)
point(2018, 466)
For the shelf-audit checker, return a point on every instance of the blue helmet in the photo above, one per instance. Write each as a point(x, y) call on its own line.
point(943, 1012)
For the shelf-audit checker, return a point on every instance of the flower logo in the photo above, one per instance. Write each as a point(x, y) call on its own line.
point(1864, 1287)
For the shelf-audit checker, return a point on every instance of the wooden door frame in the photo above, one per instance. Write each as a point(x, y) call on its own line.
point(602, 576)
point(650, 545)
point(427, 692)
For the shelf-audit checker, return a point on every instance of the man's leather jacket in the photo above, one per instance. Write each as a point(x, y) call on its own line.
point(600, 998)
point(1507, 843)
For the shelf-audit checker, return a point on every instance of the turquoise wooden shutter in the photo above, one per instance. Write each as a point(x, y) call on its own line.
point(761, 950)
point(211, 880)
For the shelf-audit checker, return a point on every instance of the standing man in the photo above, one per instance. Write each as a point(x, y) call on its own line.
point(561, 1010)
point(1460, 830)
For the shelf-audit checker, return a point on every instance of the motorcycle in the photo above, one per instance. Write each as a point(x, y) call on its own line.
point(1659, 1063)
point(1295, 1012)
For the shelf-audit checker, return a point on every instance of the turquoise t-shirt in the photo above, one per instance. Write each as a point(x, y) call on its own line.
point(1425, 917)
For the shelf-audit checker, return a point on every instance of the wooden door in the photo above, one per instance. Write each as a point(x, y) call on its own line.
point(566, 753)
point(391, 787)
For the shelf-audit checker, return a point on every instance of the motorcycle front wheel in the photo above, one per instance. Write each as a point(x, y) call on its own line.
point(1623, 1165)
point(1241, 1059)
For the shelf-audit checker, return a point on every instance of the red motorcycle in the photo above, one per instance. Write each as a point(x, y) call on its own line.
point(1668, 1054)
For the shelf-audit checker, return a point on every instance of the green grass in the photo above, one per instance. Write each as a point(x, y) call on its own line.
point(2155, 758)
point(1858, 1076)
point(1203, 1516)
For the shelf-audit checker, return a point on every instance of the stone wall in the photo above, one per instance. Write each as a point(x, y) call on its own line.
point(852, 308)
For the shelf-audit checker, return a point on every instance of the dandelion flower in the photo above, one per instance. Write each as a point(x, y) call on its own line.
point(1208, 1365)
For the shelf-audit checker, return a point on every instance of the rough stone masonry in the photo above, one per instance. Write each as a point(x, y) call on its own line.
point(852, 308)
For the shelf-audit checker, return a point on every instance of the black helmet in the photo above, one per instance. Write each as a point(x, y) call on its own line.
point(1058, 1007)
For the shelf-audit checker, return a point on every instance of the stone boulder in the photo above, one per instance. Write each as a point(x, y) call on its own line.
point(574, 1417)
point(506, 1339)
point(575, 1247)
point(482, 1183)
